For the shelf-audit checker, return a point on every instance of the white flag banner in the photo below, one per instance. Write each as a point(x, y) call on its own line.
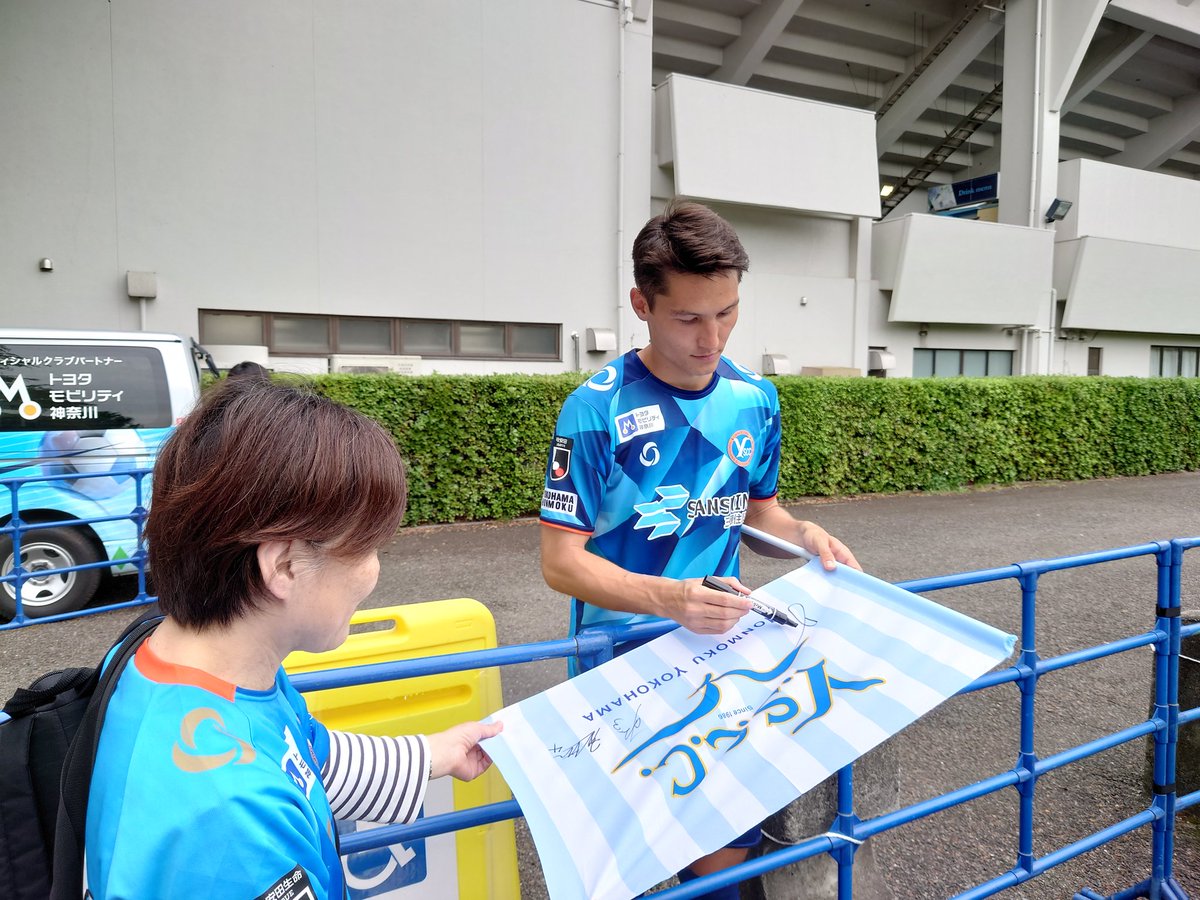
point(631, 771)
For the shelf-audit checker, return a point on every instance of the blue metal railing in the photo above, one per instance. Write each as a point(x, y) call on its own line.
point(18, 526)
point(847, 831)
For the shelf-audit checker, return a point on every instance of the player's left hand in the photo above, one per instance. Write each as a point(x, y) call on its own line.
point(822, 544)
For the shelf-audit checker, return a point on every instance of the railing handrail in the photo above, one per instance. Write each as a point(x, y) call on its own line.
point(1163, 726)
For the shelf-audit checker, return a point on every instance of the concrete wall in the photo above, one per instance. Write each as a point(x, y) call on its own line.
point(460, 160)
point(371, 158)
point(798, 297)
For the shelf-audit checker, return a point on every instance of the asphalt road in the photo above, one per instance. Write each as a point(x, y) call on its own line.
point(897, 538)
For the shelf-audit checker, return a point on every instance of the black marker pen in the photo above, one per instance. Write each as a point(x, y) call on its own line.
point(775, 615)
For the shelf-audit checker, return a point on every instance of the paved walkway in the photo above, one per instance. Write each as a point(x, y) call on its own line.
point(968, 738)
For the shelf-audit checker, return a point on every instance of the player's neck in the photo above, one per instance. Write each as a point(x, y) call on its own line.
point(672, 375)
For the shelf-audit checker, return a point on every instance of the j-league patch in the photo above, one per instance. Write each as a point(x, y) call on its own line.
point(560, 457)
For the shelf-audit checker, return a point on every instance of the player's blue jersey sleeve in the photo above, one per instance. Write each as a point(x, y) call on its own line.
point(578, 466)
point(764, 479)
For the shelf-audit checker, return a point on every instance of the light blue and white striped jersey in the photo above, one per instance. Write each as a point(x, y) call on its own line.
point(660, 478)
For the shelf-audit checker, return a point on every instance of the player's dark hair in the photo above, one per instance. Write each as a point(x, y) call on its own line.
point(689, 239)
point(258, 462)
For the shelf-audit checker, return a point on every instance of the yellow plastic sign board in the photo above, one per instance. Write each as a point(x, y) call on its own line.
point(478, 862)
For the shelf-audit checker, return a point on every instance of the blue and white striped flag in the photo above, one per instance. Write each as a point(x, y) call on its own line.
point(631, 771)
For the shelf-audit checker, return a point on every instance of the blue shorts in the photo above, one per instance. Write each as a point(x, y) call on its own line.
point(750, 839)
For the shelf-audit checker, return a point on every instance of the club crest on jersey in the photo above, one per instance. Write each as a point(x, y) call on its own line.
point(643, 420)
point(560, 458)
point(741, 448)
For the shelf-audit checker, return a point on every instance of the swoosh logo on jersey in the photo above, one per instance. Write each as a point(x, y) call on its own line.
point(184, 754)
point(657, 514)
point(603, 380)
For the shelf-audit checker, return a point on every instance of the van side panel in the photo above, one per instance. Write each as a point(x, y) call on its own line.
point(84, 411)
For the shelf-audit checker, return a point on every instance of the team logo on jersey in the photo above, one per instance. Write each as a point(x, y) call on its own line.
point(649, 455)
point(560, 457)
point(643, 420)
point(186, 754)
point(603, 380)
point(741, 447)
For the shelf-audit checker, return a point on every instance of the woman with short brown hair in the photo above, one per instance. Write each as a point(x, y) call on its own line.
point(211, 778)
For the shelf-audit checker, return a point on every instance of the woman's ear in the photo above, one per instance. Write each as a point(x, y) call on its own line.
point(277, 566)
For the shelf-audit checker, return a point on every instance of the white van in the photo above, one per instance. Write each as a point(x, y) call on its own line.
point(80, 413)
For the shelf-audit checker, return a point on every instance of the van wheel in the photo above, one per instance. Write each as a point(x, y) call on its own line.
point(48, 593)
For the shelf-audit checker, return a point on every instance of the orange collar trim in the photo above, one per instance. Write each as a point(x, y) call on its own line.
point(159, 670)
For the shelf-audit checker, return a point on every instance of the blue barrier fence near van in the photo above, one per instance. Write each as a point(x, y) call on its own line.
point(847, 831)
point(597, 646)
point(37, 582)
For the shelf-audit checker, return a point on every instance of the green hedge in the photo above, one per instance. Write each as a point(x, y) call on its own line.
point(476, 445)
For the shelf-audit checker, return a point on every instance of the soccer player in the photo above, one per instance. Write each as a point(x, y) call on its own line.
point(659, 459)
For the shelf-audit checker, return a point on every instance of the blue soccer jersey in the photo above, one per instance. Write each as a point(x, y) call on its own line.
point(204, 789)
point(660, 478)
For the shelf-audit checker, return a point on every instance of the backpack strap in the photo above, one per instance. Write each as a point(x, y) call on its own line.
point(77, 767)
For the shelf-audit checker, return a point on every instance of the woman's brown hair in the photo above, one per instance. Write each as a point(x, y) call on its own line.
point(257, 462)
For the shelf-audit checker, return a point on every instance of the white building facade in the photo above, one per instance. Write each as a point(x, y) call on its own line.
point(455, 186)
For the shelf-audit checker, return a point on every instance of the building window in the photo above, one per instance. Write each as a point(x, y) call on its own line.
point(1174, 362)
point(426, 338)
point(1095, 359)
point(232, 328)
point(363, 335)
point(300, 334)
point(289, 334)
point(978, 363)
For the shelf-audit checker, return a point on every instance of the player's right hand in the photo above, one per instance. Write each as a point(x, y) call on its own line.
point(704, 610)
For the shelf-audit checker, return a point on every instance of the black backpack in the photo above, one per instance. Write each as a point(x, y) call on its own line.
point(47, 750)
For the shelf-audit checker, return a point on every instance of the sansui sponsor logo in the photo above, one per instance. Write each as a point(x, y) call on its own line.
point(731, 509)
point(659, 515)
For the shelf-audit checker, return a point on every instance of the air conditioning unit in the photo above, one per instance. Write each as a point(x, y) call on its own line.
point(881, 359)
point(401, 365)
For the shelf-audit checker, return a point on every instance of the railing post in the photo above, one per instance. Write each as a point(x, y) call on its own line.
point(844, 823)
point(139, 518)
point(1026, 766)
point(1166, 713)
